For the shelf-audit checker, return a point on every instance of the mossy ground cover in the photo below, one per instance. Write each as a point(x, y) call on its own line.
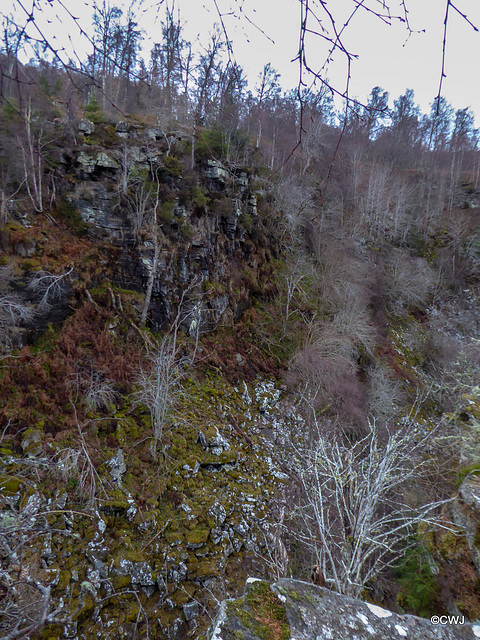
point(41, 394)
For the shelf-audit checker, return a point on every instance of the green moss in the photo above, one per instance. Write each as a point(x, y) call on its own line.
point(10, 485)
point(452, 545)
point(473, 469)
point(86, 609)
point(63, 580)
point(120, 433)
point(52, 632)
point(476, 539)
point(121, 582)
point(181, 596)
point(197, 536)
point(203, 569)
point(131, 614)
point(264, 613)
point(173, 537)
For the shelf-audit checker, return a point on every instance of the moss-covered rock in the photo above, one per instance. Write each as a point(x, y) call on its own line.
point(197, 537)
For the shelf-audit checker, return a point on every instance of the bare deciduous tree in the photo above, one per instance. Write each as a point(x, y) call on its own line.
point(159, 381)
point(159, 384)
point(360, 505)
point(33, 150)
point(92, 387)
point(385, 393)
point(156, 255)
point(140, 203)
point(48, 286)
point(409, 281)
point(14, 311)
point(296, 272)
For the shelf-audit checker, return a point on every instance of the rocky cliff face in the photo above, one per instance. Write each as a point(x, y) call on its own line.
point(208, 228)
point(294, 610)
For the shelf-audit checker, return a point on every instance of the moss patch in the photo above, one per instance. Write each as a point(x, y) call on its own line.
point(264, 614)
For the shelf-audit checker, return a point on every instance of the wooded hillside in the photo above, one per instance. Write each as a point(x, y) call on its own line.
point(238, 334)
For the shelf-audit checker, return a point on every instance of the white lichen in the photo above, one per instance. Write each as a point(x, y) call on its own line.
point(378, 611)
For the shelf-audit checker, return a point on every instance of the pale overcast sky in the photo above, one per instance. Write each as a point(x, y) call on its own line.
point(385, 56)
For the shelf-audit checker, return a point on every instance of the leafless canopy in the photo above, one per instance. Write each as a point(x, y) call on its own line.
point(318, 20)
point(361, 503)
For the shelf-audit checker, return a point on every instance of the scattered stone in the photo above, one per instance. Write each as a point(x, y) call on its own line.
point(241, 529)
point(26, 248)
point(201, 439)
point(218, 444)
point(237, 544)
point(190, 610)
point(179, 629)
point(117, 466)
point(216, 535)
point(139, 572)
point(218, 513)
point(178, 573)
point(70, 630)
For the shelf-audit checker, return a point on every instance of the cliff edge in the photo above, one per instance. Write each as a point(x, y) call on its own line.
point(295, 610)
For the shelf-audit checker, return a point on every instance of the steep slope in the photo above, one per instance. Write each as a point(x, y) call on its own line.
point(130, 506)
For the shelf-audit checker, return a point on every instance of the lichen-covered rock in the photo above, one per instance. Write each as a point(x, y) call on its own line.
point(216, 171)
point(88, 161)
point(217, 513)
point(466, 514)
point(105, 161)
point(140, 572)
point(295, 610)
point(86, 127)
point(117, 466)
point(32, 443)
